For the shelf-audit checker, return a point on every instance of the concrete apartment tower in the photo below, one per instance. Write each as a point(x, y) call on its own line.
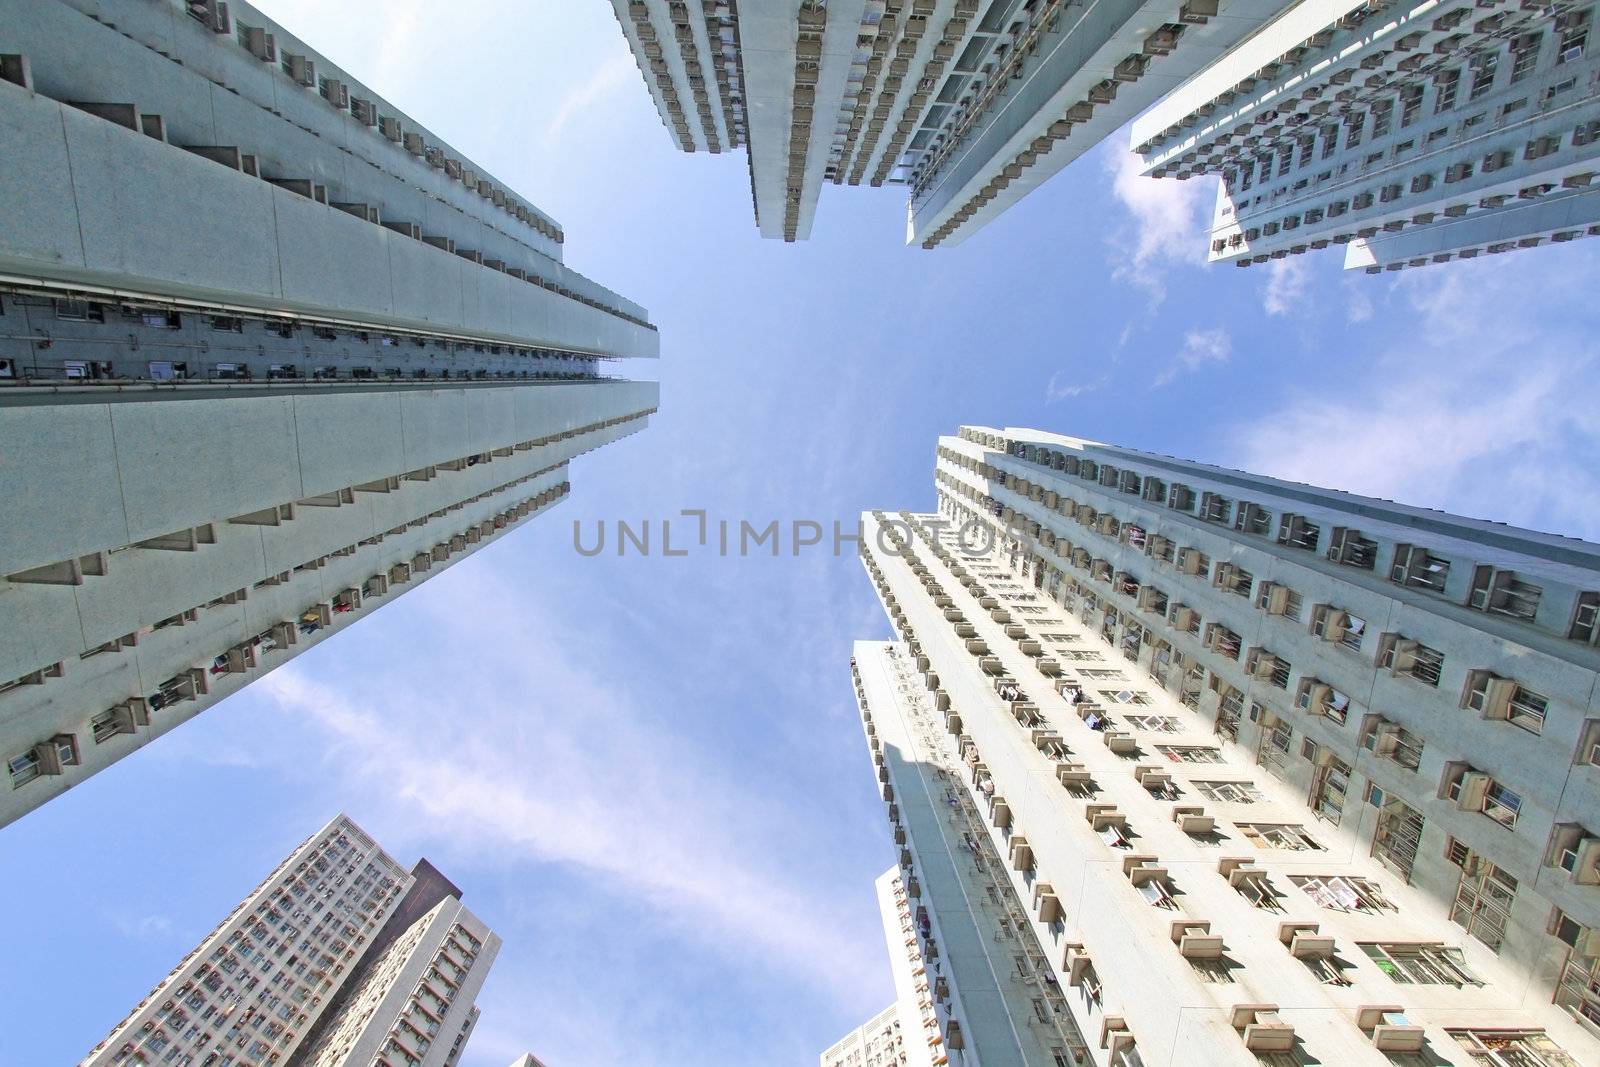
point(341, 956)
point(1188, 765)
point(270, 354)
point(969, 103)
point(1409, 133)
point(907, 1032)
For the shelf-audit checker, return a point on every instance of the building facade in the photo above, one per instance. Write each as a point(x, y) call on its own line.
point(270, 353)
point(341, 956)
point(1408, 133)
point(906, 1033)
point(1246, 770)
point(971, 104)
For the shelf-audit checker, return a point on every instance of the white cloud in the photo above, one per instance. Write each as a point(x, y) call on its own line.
point(1200, 347)
point(143, 928)
point(1486, 403)
point(614, 73)
point(578, 776)
point(1056, 389)
point(1287, 280)
point(1168, 221)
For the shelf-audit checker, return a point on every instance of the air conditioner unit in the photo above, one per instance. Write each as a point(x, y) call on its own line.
point(1585, 865)
point(1497, 698)
point(1470, 790)
point(1335, 624)
point(1278, 600)
point(1266, 665)
point(1317, 698)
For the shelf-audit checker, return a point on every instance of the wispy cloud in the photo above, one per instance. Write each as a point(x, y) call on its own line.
point(1200, 347)
point(614, 73)
point(583, 778)
point(1487, 404)
point(1287, 281)
point(142, 927)
point(1167, 224)
point(1058, 389)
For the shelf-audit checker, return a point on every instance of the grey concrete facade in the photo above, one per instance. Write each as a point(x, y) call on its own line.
point(269, 352)
point(1271, 770)
point(276, 971)
point(971, 104)
point(1409, 133)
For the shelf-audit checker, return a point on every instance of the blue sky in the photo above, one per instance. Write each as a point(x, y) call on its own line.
point(647, 772)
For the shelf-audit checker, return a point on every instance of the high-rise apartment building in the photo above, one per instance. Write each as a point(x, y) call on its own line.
point(1409, 133)
point(340, 957)
point(1191, 765)
point(906, 1033)
point(270, 354)
point(971, 104)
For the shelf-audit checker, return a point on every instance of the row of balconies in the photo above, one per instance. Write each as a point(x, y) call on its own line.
point(73, 572)
point(301, 71)
point(51, 757)
point(1257, 1024)
point(1499, 592)
point(1130, 69)
point(1386, 52)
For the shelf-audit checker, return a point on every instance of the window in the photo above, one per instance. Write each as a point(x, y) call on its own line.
point(1410, 108)
point(1447, 84)
point(1392, 742)
point(1268, 667)
point(1483, 69)
point(1494, 697)
point(79, 311)
point(47, 758)
point(1252, 518)
point(1190, 753)
point(1162, 724)
point(1277, 599)
point(1214, 507)
point(1512, 1048)
point(1415, 568)
point(1228, 792)
point(1524, 55)
point(1404, 657)
point(1339, 892)
point(1382, 116)
point(1398, 835)
point(1354, 124)
point(1330, 785)
point(1574, 29)
point(1351, 549)
point(1421, 963)
point(1334, 624)
point(1585, 618)
point(1483, 900)
point(1279, 835)
point(161, 320)
point(1503, 593)
point(1579, 988)
point(1319, 698)
point(1222, 640)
